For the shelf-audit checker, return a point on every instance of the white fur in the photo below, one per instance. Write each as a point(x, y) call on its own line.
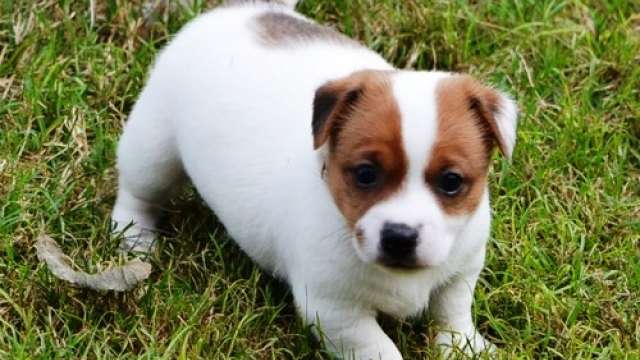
point(414, 205)
point(507, 120)
point(290, 3)
point(235, 116)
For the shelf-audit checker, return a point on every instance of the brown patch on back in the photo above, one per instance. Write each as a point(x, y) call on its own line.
point(466, 137)
point(281, 29)
point(362, 130)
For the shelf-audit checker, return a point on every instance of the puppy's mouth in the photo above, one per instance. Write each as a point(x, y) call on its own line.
point(409, 263)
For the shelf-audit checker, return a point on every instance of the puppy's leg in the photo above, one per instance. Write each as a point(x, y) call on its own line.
point(348, 331)
point(149, 170)
point(451, 307)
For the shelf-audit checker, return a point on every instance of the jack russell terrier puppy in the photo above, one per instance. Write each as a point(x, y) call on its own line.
point(361, 185)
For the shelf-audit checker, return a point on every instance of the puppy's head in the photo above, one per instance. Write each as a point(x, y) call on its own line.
point(407, 156)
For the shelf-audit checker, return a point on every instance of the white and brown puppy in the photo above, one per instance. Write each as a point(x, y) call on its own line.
point(363, 186)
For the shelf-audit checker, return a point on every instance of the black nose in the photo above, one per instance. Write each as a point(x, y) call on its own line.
point(398, 240)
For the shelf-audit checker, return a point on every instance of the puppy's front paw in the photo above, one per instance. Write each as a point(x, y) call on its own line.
point(470, 343)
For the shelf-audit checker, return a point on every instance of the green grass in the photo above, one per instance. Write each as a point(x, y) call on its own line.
point(563, 270)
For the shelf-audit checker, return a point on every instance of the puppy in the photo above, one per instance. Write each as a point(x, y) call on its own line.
point(361, 185)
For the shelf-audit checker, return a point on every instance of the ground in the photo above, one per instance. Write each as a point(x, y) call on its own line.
point(563, 270)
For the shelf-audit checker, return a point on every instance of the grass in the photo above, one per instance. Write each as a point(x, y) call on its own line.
point(563, 271)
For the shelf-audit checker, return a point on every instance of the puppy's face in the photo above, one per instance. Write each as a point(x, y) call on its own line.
point(407, 156)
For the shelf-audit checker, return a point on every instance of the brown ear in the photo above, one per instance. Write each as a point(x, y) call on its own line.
point(331, 106)
point(497, 114)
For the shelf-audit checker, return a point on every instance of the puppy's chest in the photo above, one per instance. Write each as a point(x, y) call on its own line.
point(404, 297)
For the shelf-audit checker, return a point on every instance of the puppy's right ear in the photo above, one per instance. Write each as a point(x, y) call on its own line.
point(332, 105)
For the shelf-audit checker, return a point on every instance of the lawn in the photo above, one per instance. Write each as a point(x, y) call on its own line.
point(563, 269)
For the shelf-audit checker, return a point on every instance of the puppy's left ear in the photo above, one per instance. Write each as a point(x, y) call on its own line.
point(499, 113)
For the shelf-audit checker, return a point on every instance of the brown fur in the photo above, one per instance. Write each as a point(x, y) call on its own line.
point(467, 134)
point(366, 130)
point(279, 29)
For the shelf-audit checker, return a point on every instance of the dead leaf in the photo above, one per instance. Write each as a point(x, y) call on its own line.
point(119, 278)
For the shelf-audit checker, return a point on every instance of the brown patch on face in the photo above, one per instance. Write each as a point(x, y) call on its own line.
point(359, 120)
point(467, 134)
point(280, 29)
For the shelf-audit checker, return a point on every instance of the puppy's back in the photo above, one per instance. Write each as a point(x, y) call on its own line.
point(236, 88)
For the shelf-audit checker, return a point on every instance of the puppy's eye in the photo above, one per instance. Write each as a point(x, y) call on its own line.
point(366, 176)
point(449, 183)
